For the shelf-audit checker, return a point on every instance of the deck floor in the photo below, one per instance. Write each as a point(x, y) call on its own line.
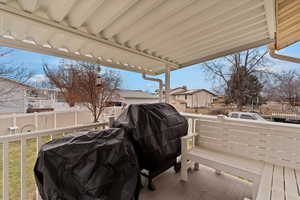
point(202, 185)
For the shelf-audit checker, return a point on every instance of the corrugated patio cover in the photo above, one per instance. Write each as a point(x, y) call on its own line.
point(137, 35)
point(288, 23)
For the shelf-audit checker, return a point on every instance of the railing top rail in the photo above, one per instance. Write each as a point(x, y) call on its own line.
point(49, 112)
point(19, 136)
point(242, 121)
point(198, 116)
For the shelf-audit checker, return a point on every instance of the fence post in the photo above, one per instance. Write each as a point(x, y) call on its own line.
point(13, 129)
point(221, 118)
point(76, 117)
point(14, 119)
point(54, 119)
point(36, 121)
point(111, 121)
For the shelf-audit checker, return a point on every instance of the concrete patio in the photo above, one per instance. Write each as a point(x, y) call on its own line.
point(202, 185)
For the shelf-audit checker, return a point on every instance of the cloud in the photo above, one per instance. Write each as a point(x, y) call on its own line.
point(150, 85)
point(38, 78)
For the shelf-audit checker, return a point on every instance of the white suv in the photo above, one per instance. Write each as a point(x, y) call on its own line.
point(246, 115)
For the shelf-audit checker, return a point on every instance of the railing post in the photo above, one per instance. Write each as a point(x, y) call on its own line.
point(194, 125)
point(184, 162)
point(220, 118)
point(191, 126)
point(23, 169)
point(5, 176)
point(38, 147)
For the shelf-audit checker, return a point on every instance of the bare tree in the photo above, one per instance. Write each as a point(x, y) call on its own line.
point(65, 78)
point(96, 89)
point(285, 87)
point(11, 72)
point(84, 83)
point(222, 72)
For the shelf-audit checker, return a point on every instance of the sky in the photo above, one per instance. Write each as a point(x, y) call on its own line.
point(193, 76)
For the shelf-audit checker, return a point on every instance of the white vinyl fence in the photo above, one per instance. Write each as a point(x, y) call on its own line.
point(28, 122)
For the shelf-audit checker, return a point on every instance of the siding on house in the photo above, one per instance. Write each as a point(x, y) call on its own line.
point(16, 97)
point(194, 98)
point(12, 98)
point(137, 97)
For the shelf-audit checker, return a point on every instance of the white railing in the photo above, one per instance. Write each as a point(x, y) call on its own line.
point(28, 122)
point(272, 142)
point(193, 118)
point(26, 144)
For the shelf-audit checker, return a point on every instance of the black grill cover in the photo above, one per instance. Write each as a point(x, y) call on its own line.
point(155, 131)
point(98, 165)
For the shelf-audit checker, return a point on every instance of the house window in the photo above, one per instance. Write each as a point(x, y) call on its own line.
point(185, 97)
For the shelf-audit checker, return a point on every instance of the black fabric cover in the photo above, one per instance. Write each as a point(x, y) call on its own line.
point(155, 131)
point(98, 165)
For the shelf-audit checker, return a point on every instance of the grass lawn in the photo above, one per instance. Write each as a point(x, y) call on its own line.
point(14, 157)
point(15, 168)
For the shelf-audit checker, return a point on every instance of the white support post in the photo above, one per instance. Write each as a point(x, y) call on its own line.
point(167, 84)
point(184, 161)
point(160, 86)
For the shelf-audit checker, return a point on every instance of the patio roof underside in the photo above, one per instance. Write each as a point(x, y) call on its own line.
point(288, 23)
point(137, 35)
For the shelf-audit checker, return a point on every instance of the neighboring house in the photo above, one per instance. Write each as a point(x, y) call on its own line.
point(12, 96)
point(177, 90)
point(16, 97)
point(126, 97)
point(197, 98)
point(137, 96)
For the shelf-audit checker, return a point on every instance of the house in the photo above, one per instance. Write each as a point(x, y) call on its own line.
point(13, 96)
point(196, 98)
point(17, 97)
point(127, 97)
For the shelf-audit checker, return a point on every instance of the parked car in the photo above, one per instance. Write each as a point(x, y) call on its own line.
point(246, 115)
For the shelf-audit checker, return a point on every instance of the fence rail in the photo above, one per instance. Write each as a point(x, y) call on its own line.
point(28, 122)
point(286, 115)
point(26, 146)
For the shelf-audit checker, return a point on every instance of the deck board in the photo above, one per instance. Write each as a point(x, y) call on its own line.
point(202, 185)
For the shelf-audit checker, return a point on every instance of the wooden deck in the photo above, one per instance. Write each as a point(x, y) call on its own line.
point(202, 185)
